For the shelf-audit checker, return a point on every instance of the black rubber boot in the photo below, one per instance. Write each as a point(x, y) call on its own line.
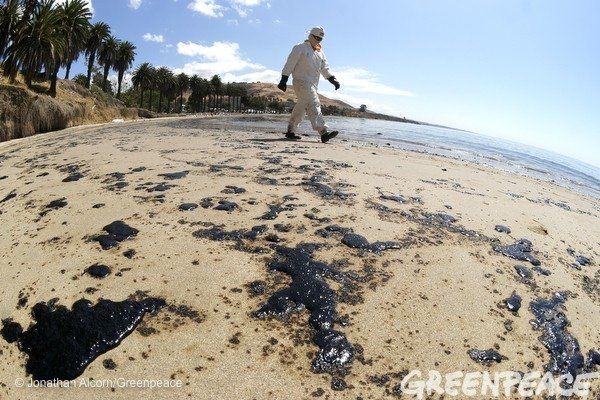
point(292, 136)
point(328, 135)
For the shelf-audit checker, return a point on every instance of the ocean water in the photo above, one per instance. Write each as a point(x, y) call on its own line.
point(497, 153)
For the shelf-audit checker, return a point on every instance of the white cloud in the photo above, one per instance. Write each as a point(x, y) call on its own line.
point(217, 52)
point(242, 7)
point(89, 4)
point(150, 37)
point(207, 7)
point(247, 3)
point(135, 4)
point(224, 59)
point(208, 69)
point(266, 75)
point(242, 12)
point(361, 80)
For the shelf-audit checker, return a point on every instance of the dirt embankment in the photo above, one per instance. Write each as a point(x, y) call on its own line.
point(25, 112)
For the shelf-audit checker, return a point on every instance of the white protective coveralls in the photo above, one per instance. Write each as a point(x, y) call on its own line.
point(305, 65)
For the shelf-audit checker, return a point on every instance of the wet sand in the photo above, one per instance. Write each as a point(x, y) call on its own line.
point(407, 265)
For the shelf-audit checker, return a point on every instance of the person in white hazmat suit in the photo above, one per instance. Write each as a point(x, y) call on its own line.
point(305, 63)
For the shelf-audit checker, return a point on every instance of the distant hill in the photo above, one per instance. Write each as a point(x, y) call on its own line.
point(270, 90)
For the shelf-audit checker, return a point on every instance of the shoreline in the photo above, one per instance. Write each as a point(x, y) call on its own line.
point(572, 185)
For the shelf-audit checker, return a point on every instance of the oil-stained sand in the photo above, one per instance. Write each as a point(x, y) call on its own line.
point(408, 241)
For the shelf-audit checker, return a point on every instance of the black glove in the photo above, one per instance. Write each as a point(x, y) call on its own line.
point(334, 82)
point(283, 83)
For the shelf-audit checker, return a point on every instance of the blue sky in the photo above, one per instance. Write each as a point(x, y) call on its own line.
point(527, 71)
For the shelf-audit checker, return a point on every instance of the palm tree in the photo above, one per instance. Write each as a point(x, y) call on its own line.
point(9, 18)
point(217, 88)
point(123, 61)
point(97, 34)
point(183, 84)
point(79, 79)
point(206, 89)
point(75, 16)
point(171, 90)
point(194, 99)
point(152, 84)
point(142, 79)
point(36, 44)
point(11, 65)
point(242, 94)
point(163, 82)
point(106, 56)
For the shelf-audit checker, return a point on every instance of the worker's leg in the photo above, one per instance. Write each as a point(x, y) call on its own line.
point(314, 110)
point(300, 108)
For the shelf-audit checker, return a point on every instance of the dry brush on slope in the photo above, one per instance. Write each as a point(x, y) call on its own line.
point(24, 112)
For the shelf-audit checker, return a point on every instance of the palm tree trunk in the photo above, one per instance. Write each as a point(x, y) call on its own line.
point(160, 96)
point(150, 101)
point(105, 79)
point(52, 90)
point(141, 98)
point(181, 102)
point(89, 69)
point(11, 65)
point(68, 69)
point(120, 80)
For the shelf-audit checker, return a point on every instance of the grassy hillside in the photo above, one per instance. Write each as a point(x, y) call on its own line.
point(25, 112)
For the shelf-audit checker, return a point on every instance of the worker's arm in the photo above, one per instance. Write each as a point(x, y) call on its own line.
point(325, 68)
point(327, 73)
point(292, 60)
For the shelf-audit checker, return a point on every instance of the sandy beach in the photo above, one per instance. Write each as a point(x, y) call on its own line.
point(406, 254)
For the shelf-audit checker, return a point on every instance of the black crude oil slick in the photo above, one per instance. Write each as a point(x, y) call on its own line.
point(98, 270)
point(564, 350)
point(117, 232)
point(513, 303)
point(360, 242)
point(486, 357)
point(309, 290)
point(63, 342)
point(520, 250)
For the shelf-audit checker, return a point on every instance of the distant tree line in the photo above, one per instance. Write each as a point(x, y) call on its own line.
point(339, 111)
point(163, 91)
point(38, 37)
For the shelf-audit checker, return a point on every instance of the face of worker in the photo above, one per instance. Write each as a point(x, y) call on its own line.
point(314, 39)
